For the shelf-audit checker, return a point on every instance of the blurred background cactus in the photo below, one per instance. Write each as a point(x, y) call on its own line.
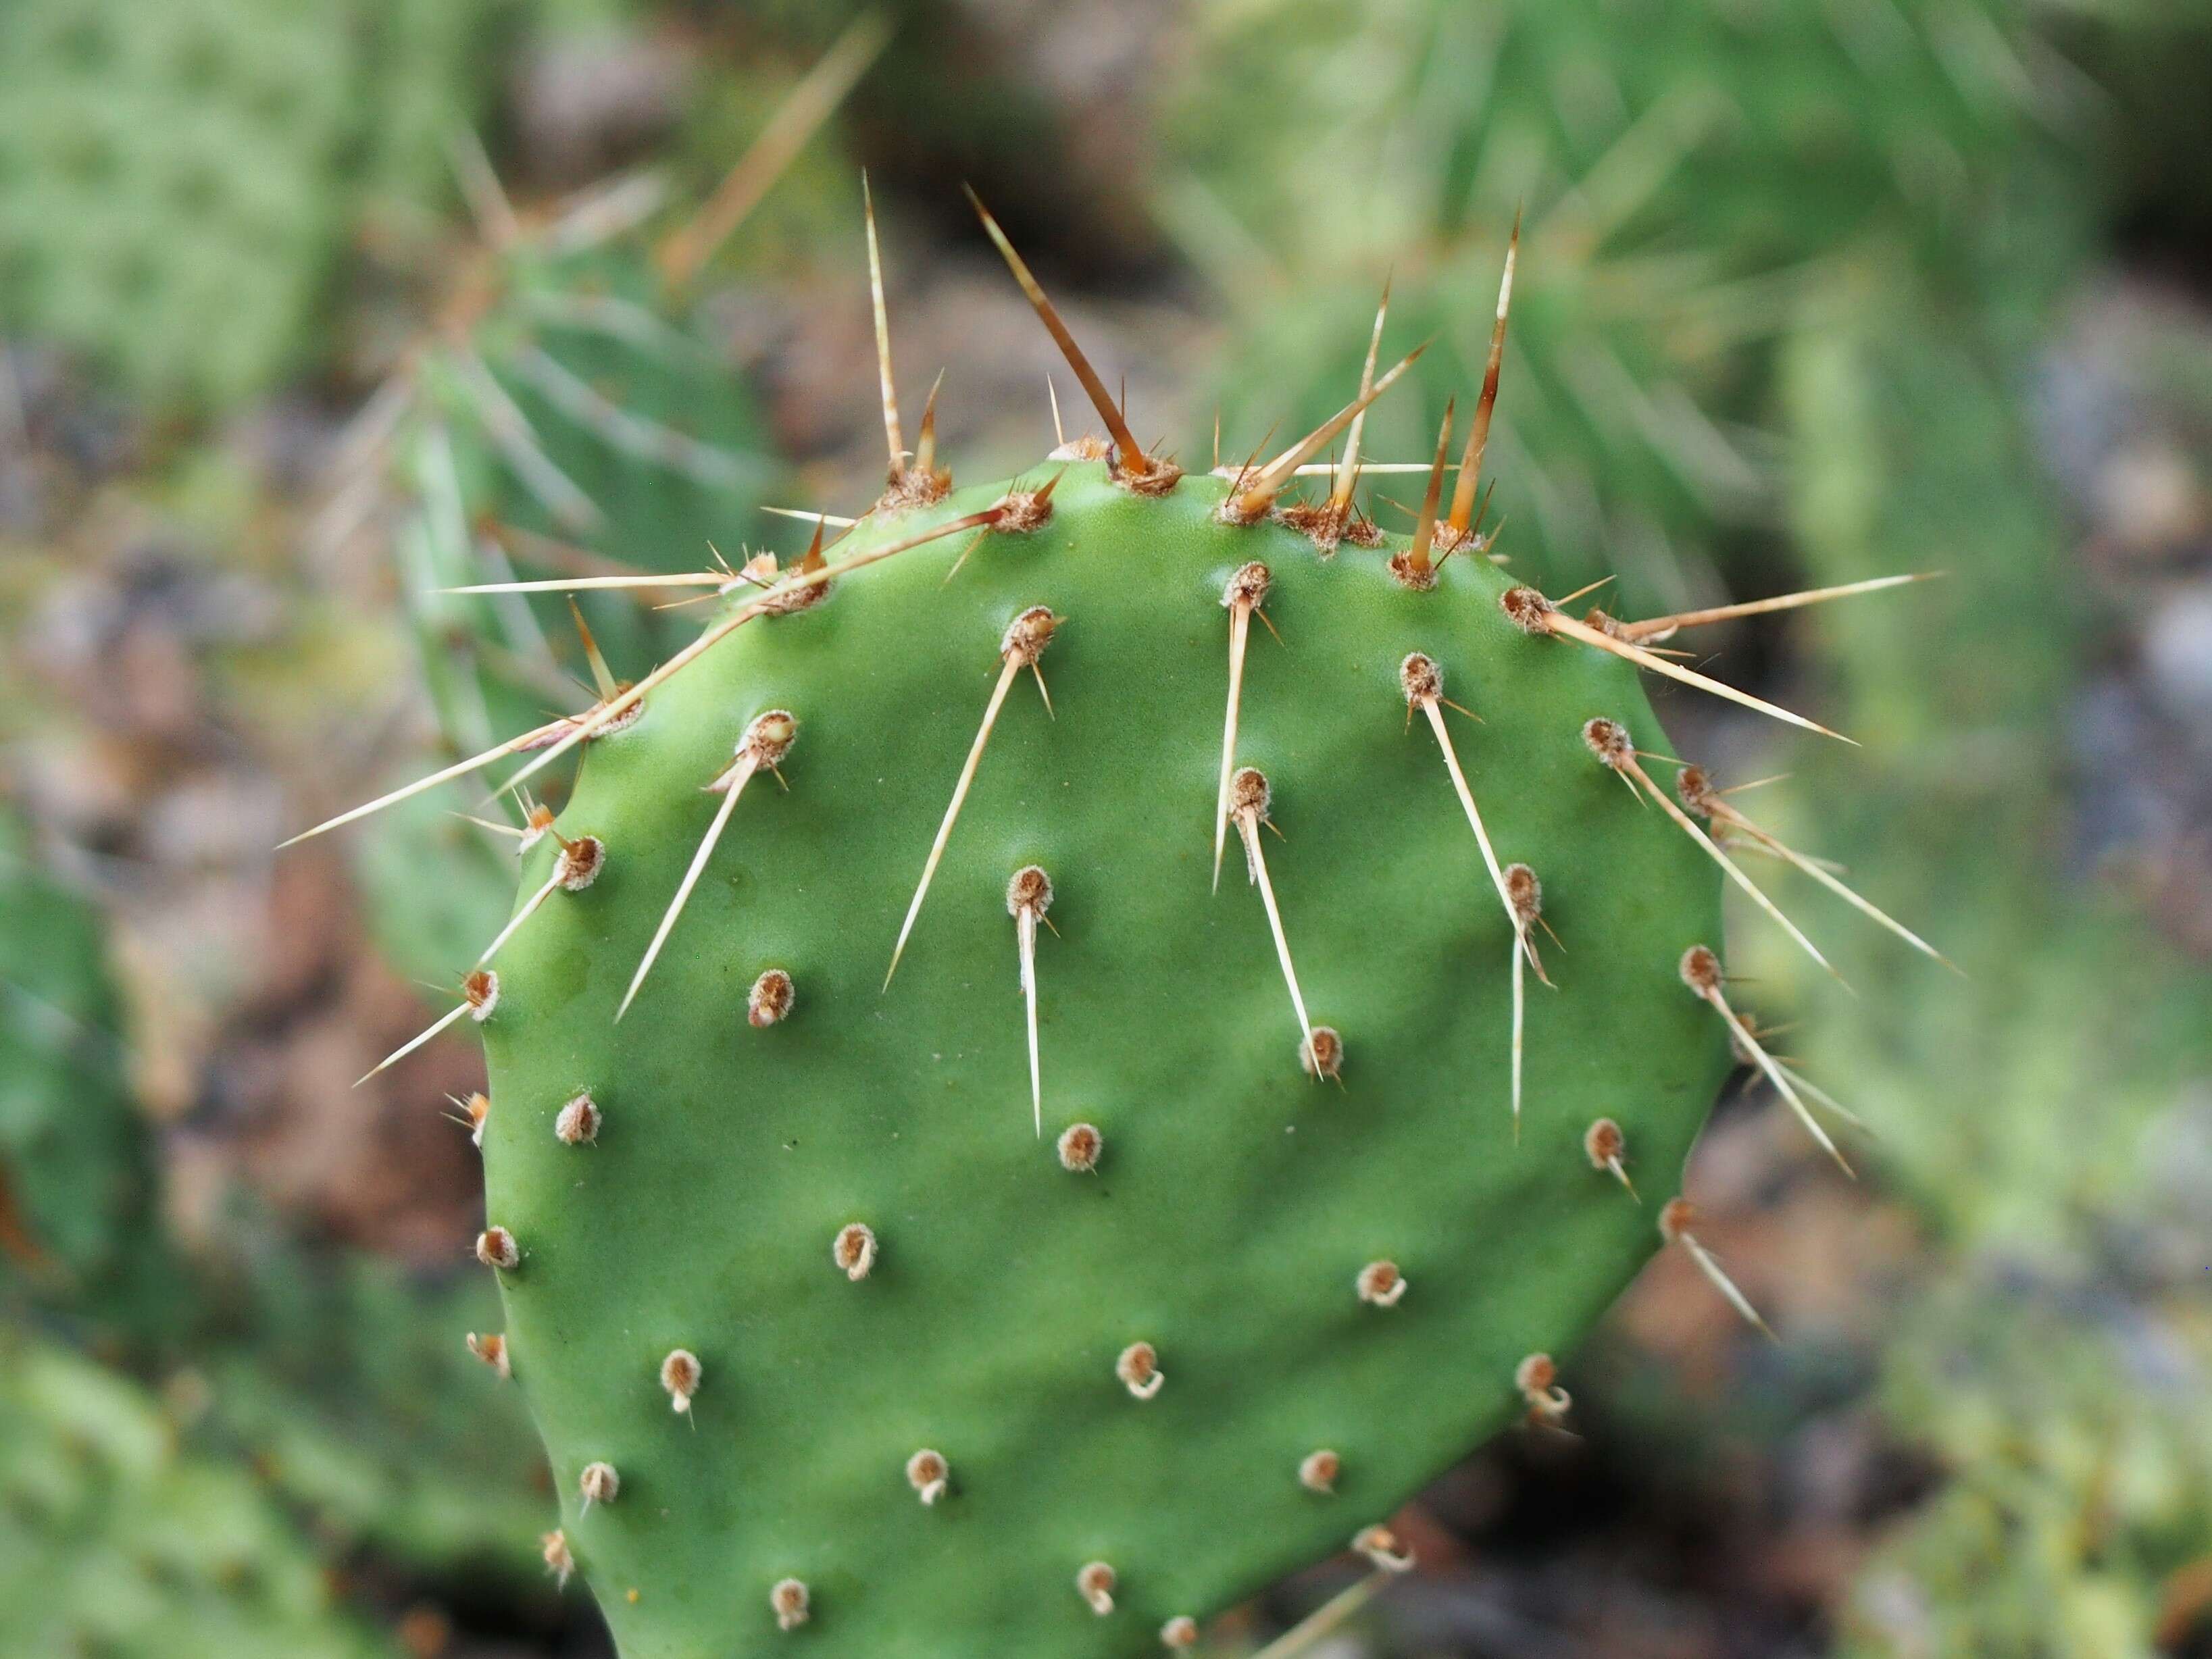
point(309, 309)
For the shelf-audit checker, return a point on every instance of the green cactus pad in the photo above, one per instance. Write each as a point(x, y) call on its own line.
point(1236, 1199)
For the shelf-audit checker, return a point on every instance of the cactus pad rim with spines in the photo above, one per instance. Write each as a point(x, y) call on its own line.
point(1173, 1343)
point(1007, 1285)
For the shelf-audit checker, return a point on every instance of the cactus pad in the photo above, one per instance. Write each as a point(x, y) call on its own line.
point(1356, 1269)
point(926, 1229)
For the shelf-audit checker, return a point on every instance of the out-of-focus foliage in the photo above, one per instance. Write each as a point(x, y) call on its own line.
point(427, 68)
point(1760, 133)
point(176, 180)
point(172, 197)
point(1030, 101)
point(344, 1380)
point(2078, 1457)
point(557, 421)
point(347, 1384)
point(2055, 1359)
point(117, 1541)
point(1685, 170)
point(79, 1212)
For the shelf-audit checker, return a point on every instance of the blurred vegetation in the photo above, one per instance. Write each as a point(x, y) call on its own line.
point(1791, 278)
point(180, 180)
point(2050, 1361)
point(79, 1206)
point(1686, 174)
point(115, 1540)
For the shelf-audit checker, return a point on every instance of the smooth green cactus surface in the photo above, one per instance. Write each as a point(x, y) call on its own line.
point(1236, 1199)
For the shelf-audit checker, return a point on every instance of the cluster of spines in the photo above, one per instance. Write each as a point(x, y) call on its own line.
point(1244, 802)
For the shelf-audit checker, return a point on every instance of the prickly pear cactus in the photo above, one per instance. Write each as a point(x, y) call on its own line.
point(568, 425)
point(561, 412)
point(1233, 1199)
point(939, 1208)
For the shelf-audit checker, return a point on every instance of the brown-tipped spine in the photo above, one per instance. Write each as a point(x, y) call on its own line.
point(893, 437)
point(1478, 437)
point(1251, 502)
point(1131, 462)
point(1414, 567)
